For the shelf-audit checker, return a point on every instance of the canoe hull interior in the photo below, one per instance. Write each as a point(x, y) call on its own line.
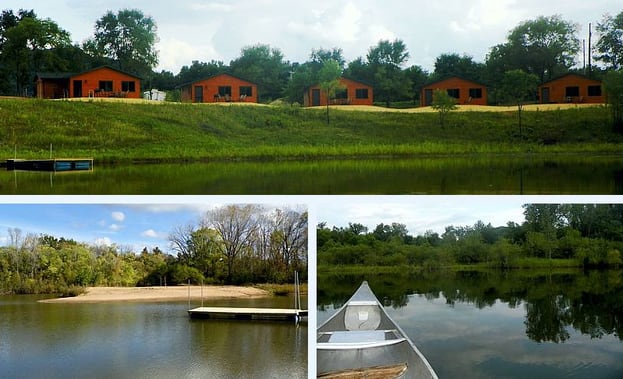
point(361, 335)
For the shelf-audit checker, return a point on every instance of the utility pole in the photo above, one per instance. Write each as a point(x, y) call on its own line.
point(590, 35)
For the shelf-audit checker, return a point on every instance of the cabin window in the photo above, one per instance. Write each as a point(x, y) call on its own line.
point(594, 90)
point(361, 93)
point(475, 93)
point(224, 91)
point(128, 86)
point(572, 91)
point(454, 92)
point(341, 94)
point(246, 91)
point(105, 85)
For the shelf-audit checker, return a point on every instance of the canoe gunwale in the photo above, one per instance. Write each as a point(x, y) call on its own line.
point(364, 296)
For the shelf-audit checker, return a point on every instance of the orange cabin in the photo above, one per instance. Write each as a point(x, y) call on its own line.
point(353, 93)
point(571, 88)
point(102, 81)
point(464, 91)
point(220, 88)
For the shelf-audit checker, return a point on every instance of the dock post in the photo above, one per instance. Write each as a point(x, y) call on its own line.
point(202, 292)
point(188, 294)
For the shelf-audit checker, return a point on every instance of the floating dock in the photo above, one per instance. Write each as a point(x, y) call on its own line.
point(53, 165)
point(247, 313)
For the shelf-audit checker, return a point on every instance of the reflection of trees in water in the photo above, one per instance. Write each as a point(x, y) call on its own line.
point(547, 319)
point(591, 302)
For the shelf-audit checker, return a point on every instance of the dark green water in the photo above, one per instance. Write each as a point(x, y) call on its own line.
point(449, 175)
point(501, 325)
point(144, 340)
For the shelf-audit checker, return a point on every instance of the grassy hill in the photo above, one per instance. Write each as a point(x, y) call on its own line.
point(124, 131)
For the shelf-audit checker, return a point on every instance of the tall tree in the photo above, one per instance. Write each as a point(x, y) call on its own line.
point(359, 69)
point(418, 77)
point(27, 45)
point(236, 225)
point(200, 70)
point(455, 65)
point(544, 46)
point(303, 76)
point(127, 38)
point(319, 56)
point(289, 237)
point(386, 60)
point(265, 66)
point(610, 44)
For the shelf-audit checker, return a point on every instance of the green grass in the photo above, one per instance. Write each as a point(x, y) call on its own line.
point(174, 132)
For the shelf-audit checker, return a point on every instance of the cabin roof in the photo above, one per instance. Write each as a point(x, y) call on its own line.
point(584, 77)
point(454, 77)
point(68, 75)
point(349, 79)
point(214, 76)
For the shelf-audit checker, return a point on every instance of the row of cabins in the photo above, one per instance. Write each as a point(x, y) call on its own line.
point(569, 88)
point(107, 81)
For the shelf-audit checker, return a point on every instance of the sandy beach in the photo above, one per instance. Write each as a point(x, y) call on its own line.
point(117, 294)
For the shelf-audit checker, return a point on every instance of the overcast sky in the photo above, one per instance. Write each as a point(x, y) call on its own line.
point(434, 213)
point(217, 29)
point(135, 224)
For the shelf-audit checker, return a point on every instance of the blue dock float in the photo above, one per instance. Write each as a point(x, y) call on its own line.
point(50, 165)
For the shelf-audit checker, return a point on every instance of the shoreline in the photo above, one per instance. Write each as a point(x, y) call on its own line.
point(158, 294)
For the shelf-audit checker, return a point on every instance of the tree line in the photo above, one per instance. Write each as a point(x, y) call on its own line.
point(581, 235)
point(544, 47)
point(235, 244)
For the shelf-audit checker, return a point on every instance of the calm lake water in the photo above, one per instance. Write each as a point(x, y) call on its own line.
point(501, 325)
point(445, 175)
point(144, 340)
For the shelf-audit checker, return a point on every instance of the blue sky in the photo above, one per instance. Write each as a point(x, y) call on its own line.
point(133, 223)
point(216, 29)
point(129, 225)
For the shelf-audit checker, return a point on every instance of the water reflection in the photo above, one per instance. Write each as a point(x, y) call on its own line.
point(589, 302)
point(432, 175)
point(145, 340)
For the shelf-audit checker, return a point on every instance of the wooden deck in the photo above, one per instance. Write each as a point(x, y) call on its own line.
point(56, 164)
point(247, 313)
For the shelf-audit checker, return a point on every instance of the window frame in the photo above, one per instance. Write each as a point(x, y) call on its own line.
point(105, 85)
point(362, 93)
point(128, 86)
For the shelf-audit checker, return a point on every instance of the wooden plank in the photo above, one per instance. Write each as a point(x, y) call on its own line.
point(378, 372)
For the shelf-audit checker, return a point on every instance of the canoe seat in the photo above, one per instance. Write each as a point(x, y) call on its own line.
point(362, 315)
point(357, 339)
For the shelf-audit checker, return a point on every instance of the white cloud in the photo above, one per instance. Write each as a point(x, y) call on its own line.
point(150, 233)
point(211, 7)
point(175, 53)
point(115, 227)
point(118, 216)
point(103, 241)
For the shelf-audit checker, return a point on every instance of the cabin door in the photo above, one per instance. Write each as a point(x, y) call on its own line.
point(198, 94)
point(315, 97)
point(428, 97)
point(77, 88)
point(545, 95)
